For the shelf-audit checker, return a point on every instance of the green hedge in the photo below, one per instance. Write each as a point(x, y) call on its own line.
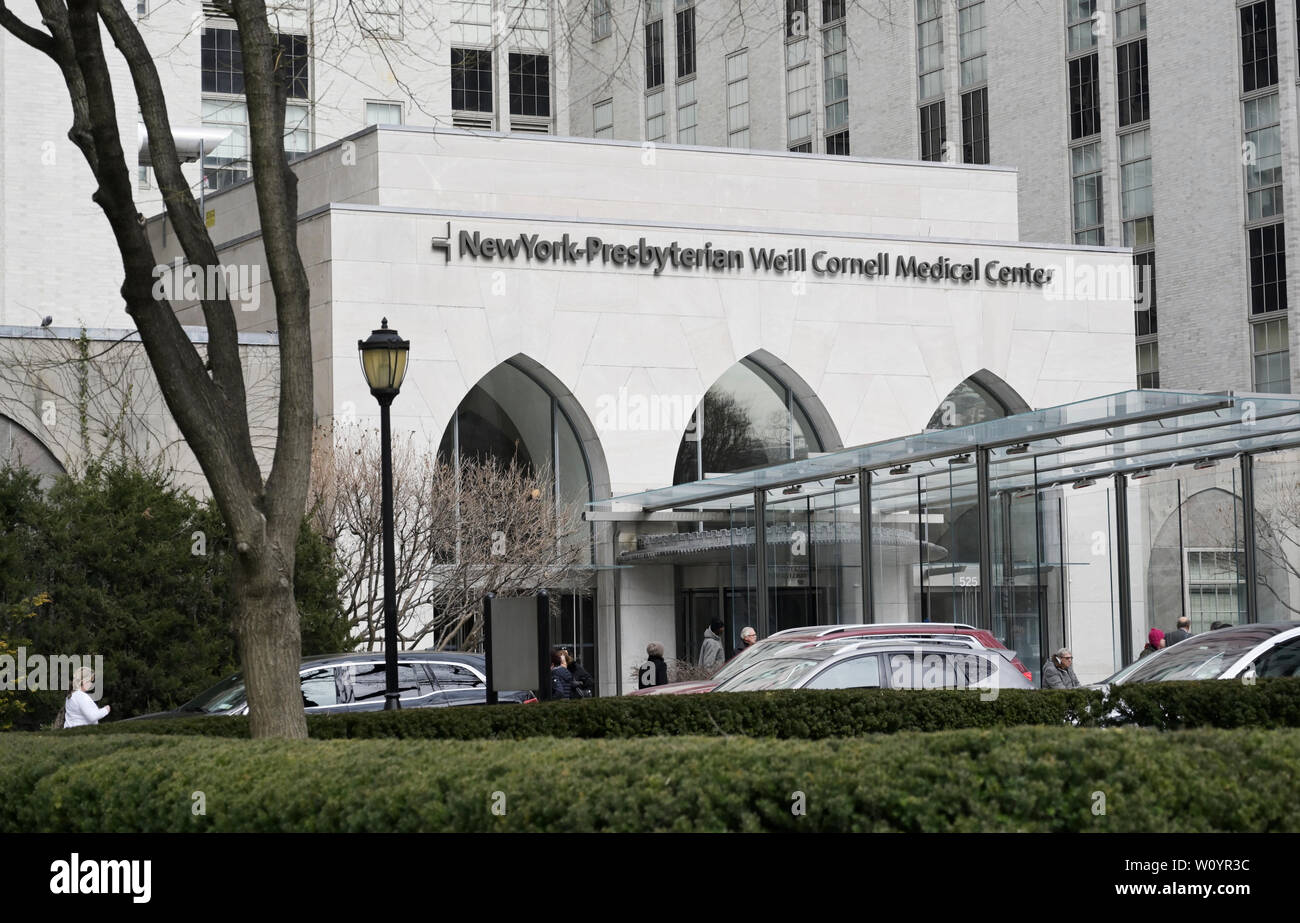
point(802, 714)
point(1013, 779)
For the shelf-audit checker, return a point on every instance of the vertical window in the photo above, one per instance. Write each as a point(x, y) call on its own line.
point(798, 93)
point(1267, 269)
point(471, 80)
point(602, 119)
point(838, 143)
point(1085, 108)
point(974, 61)
point(1263, 157)
point(1272, 356)
point(796, 18)
point(1148, 365)
point(975, 126)
point(835, 79)
point(1214, 579)
point(1130, 19)
point(1131, 77)
point(381, 113)
point(686, 112)
point(1135, 189)
point(223, 61)
point(1081, 28)
point(1085, 172)
point(601, 20)
point(1258, 46)
point(654, 45)
point(738, 99)
point(685, 38)
point(933, 131)
point(656, 128)
point(1144, 290)
point(929, 49)
point(530, 84)
point(832, 10)
point(227, 164)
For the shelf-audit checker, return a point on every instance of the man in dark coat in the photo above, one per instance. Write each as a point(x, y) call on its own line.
point(654, 672)
point(1181, 633)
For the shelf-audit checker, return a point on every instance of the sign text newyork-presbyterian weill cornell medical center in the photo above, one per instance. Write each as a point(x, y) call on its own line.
point(578, 250)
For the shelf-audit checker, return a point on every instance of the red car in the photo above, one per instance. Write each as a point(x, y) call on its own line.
point(770, 646)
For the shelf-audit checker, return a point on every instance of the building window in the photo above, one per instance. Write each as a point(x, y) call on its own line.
point(1081, 27)
point(832, 10)
point(223, 61)
point(530, 85)
point(1131, 76)
point(654, 50)
point(1085, 104)
point(471, 80)
point(601, 20)
point(929, 49)
point(974, 62)
point(934, 132)
point(383, 113)
point(1263, 157)
point(798, 93)
point(685, 38)
point(1258, 46)
point(975, 126)
point(835, 70)
point(1214, 578)
point(737, 66)
point(1267, 269)
point(1272, 356)
point(1130, 19)
point(796, 18)
point(1136, 204)
point(656, 126)
point(379, 18)
point(838, 143)
point(686, 112)
point(1085, 172)
point(805, 148)
point(1148, 365)
point(602, 119)
point(1144, 290)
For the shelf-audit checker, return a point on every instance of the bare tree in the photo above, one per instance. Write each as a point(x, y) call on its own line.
point(487, 527)
point(208, 398)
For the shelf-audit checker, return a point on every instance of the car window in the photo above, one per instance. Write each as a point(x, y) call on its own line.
point(455, 676)
point(771, 674)
point(370, 681)
point(940, 669)
point(858, 673)
point(319, 688)
point(1283, 660)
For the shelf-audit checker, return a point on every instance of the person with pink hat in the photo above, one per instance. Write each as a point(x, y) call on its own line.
point(1155, 641)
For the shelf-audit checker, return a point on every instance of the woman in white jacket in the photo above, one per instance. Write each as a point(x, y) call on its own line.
point(81, 708)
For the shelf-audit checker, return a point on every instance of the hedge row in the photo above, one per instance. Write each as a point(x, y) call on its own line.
point(804, 714)
point(1015, 779)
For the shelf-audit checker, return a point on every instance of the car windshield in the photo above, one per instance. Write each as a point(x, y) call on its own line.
point(769, 673)
point(225, 695)
point(1199, 657)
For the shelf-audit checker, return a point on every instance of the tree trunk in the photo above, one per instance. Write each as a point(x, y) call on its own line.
point(267, 625)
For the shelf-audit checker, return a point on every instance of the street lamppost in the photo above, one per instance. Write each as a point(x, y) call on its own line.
point(383, 360)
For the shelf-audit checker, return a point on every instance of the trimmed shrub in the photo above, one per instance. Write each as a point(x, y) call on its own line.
point(799, 714)
point(1014, 779)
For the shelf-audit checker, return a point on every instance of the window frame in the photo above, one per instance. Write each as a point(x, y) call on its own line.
point(479, 54)
point(1257, 324)
point(732, 131)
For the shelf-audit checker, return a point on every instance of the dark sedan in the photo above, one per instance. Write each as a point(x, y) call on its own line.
point(336, 683)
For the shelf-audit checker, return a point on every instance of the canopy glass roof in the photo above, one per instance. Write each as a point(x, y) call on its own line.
point(1125, 432)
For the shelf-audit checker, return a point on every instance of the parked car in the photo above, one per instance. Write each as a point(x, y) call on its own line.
point(942, 662)
point(336, 683)
point(782, 640)
point(1242, 651)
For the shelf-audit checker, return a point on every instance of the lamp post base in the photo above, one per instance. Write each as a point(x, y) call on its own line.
point(391, 701)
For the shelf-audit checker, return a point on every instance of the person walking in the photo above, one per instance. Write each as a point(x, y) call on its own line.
point(80, 709)
point(1058, 672)
point(747, 638)
point(712, 653)
point(1155, 641)
point(584, 684)
point(654, 672)
point(561, 678)
point(1181, 633)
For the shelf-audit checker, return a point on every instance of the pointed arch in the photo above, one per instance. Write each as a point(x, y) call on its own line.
point(979, 397)
point(20, 447)
point(759, 412)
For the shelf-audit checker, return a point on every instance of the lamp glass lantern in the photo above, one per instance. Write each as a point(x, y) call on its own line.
point(383, 361)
